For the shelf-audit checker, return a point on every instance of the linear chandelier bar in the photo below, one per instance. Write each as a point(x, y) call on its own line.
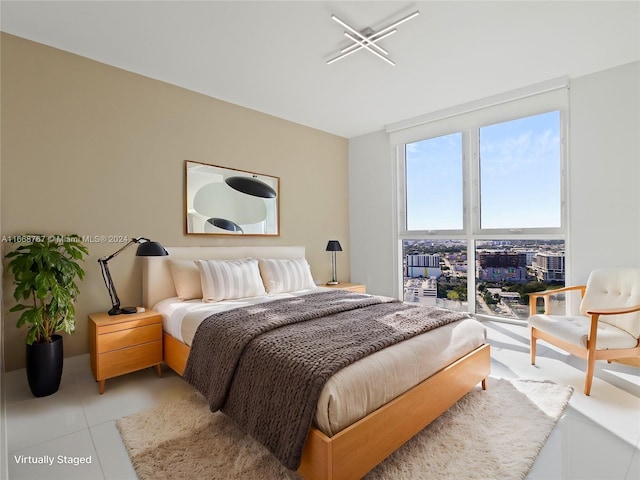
point(368, 41)
point(371, 39)
point(362, 37)
point(357, 46)
point(368, 47)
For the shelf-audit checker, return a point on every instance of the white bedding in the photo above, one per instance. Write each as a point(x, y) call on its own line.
point(186, 315)
point(367, 384)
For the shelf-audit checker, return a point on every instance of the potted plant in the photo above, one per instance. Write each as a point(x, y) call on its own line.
point(45, 269)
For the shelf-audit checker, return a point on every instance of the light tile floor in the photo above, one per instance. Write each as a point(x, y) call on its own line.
point(598, 437)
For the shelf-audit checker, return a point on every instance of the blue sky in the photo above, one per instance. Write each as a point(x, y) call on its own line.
point(519, 177)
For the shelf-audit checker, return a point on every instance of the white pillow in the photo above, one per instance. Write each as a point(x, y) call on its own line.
point(228, 279)
point(186, 279)
point(285, 274)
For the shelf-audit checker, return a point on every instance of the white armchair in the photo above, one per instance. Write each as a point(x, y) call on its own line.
point(608, 326)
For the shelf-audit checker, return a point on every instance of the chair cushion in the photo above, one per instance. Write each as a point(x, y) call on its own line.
point(575, 329)
point(614, 288)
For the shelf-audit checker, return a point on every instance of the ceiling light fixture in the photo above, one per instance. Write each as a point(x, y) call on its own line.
point(367, 39)
point(355, 48)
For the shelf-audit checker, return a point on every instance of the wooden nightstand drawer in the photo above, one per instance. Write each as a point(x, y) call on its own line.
point(109, 324)
point(126, 360)
point(122, 344)
point(129, 338)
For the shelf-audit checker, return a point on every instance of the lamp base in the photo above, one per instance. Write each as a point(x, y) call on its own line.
point(333, 283)
point(122, 310)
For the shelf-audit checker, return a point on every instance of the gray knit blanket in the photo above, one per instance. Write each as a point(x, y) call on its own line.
point(265, 365)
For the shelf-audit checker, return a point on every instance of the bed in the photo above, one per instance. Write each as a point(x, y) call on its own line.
point(372, 428)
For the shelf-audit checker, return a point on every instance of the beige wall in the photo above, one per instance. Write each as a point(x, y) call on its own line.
point(95, 150)
point(4, 469)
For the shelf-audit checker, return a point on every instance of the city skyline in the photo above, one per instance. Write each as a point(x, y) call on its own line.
point(436, 271)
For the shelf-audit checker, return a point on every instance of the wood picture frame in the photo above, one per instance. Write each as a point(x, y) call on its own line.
point(227, 201)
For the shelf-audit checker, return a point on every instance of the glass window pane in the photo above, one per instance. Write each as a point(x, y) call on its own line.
point(433, 170)
point(520, 173)
point(509, 270)
point(435, 273)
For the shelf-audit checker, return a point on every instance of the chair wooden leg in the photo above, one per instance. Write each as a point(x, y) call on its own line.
point(591, 366)
point(532, 347)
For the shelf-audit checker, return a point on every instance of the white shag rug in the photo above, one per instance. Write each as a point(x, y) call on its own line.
point(492, 434)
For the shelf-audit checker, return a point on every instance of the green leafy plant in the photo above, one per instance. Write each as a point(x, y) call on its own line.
point(45, 269)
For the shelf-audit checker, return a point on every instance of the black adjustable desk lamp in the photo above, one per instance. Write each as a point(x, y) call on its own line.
point(147, 248)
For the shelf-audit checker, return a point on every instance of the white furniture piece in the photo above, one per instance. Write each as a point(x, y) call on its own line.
point(607, 327)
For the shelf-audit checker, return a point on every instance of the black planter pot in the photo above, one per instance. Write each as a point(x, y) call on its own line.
point(44, 366)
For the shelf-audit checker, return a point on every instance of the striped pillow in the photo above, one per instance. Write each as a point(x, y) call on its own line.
point(228, 279)
point(285, 274)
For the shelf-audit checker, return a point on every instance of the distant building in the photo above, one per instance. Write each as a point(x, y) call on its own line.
point(501, 266)
point(509, 296)
point(529, 255)
point(501, 259)
point(422, 266)
point(429, 288)
point(548, 267)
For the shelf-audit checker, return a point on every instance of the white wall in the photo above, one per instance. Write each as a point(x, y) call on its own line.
point(604, 154)
point(603, 188)
point(372, 212)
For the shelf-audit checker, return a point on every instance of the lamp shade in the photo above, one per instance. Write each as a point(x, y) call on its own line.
point(334, 246)
point(251, 186)
point(151, 249)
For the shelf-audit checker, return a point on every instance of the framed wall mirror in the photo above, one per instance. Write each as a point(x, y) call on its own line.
point(226, 201)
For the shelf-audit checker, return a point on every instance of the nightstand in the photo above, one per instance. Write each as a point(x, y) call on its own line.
point(353, 287)
point(124, 343)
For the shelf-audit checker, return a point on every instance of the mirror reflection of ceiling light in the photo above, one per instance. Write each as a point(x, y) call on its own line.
point(368, 39)
point(251, 186)
point(225, 224)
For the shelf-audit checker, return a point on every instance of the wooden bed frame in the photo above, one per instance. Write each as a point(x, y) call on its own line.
point(357, 449)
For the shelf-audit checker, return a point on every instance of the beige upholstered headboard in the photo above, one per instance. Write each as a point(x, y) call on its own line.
point(157, 282)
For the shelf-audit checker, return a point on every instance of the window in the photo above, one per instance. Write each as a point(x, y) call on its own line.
point(481, 221)
point(435, 273)
point(520, 173)
point(507, 271)
point(434, 183)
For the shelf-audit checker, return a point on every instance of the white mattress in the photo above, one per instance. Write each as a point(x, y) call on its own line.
point(367, 384)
